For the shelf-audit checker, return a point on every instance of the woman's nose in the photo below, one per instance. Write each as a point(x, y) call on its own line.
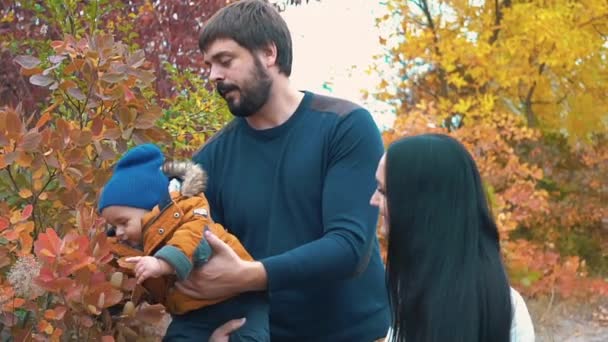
point(374, 200)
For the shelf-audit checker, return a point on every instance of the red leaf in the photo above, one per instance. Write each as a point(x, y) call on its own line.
point(49, 241)
point(10, 235)
point(55, 44)
point(4, 223)
point(27, 212)
point(129, 96)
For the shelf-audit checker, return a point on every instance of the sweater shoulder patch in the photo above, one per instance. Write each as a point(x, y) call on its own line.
point(335, 105)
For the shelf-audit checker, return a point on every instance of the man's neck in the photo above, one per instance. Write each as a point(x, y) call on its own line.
point(282, 104)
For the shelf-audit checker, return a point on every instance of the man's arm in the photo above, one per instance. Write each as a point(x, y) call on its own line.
point(349, 220)
point(349, 223)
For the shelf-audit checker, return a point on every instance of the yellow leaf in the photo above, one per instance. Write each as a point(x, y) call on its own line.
point(462, 106)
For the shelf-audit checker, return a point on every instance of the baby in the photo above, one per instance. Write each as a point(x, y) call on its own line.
point(166, 230)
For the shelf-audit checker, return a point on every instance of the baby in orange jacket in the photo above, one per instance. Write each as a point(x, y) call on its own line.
point(163, 234)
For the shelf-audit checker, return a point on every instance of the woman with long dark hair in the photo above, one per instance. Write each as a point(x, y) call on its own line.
point(445, 274)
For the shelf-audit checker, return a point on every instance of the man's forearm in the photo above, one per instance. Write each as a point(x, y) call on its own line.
point(327, 259)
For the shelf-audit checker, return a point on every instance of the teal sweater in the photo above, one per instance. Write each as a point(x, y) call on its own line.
point(297, 196)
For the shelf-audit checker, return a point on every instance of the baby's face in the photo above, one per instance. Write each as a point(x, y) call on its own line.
point(127, 221)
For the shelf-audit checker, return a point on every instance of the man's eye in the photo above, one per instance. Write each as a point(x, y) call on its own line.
point(225, 62)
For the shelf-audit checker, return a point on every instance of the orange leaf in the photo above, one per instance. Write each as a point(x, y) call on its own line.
point(13, 122)
point(48, 253)
point(67, 84)
point(30, 72)
point(55, 314)
point(16, 217)
point(25, 193)
point(145, 120)
point(45, 326)
point(29, 141)
point(14, 303)
point(56, 335)
point(97, 126)
point(45, 117)
point(24, 159)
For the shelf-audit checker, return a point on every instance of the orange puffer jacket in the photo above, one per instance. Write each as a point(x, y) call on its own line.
point(174, 232)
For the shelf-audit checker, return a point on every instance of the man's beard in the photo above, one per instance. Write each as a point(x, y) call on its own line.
point(252, 96)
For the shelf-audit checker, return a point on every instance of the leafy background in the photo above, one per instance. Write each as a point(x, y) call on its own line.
point(521, 83)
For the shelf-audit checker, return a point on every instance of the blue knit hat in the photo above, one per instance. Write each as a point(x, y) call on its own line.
point(138, 180)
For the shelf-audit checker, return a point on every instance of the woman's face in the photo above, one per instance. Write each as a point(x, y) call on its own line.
point(379, 197)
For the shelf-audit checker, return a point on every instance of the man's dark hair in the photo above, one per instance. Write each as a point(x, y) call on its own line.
point(253, 24)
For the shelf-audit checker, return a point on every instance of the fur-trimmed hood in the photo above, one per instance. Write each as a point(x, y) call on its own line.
point(191, 175)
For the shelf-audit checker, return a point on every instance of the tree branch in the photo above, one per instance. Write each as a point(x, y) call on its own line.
point(424, 6)
point(530, 116)
point(498, 18)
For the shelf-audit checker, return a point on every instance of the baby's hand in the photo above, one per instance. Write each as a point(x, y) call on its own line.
point(149, 267)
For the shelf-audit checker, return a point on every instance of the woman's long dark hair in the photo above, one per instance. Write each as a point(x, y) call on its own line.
point(445, 274)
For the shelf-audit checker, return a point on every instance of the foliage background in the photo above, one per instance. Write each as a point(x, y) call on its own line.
point(521, 83)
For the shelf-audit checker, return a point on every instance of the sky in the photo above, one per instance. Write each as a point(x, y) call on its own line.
point(334, 42)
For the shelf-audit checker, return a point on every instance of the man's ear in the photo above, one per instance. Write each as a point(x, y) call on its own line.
point(268, 55)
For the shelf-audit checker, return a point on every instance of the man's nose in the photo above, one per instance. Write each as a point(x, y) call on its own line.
point(216, 74)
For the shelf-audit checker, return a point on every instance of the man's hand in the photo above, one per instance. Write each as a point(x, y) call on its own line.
point(149, 267)
point(225, 274)
point(222, 334)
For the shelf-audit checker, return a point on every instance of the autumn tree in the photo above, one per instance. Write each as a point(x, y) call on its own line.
point(522, 84)
point(79, 92)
